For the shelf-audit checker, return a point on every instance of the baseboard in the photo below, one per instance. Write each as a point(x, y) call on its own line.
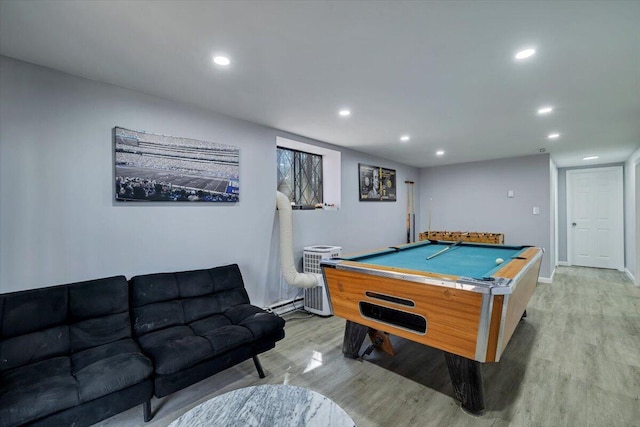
point(545, 279)
point(630, 276)
point(563, 263)
point(552, 274)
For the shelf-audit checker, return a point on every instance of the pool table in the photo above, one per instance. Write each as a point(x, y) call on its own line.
point(457, 297)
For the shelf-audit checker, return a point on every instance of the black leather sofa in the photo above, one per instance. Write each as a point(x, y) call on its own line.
point(67, 357)
point(193, 324)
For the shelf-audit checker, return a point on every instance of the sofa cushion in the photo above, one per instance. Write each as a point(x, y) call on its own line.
point(33, 347)
point(99, 331)
point(231, 298)
point(226, 338)
point(226, 278)
point(264, 325)
point(36, 390)
point(259, 322)
point(241, 312)
point(100, 297)
point(152, 288)
point(82, 359)
point(109, 368)
point(153, 317)
point(194, 283)
point(228, 286)
point(175, 348)
point(201, 307)
point(34, 310)
point(203, 326)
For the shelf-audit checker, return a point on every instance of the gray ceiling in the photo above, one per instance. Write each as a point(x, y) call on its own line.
point(442, 72)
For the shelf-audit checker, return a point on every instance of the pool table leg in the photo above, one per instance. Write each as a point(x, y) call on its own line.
point(354, 334)
point(466, 378)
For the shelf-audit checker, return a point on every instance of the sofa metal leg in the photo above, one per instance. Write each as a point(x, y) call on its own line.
point(258, 366)
point(146, 407)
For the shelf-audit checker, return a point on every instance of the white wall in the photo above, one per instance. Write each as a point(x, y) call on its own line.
point(473, 197)
point(58, 220)
point(632, 216)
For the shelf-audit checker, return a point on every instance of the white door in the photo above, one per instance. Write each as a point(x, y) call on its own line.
point(595, 217)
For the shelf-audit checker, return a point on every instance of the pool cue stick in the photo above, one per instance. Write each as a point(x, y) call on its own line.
point(413, 210)
point(429, 227)
point(408, 212)
point(444, 250)
point(408, 224)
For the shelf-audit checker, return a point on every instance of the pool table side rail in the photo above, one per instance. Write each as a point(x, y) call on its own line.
point(508, 307)
point(426, 277)
point(516, 302)
point(514, 266)
point(452, 315)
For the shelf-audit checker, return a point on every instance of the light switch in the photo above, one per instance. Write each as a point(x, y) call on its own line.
point(536, 210)
point(510, 194)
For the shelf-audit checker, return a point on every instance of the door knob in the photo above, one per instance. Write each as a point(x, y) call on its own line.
point(574, 224)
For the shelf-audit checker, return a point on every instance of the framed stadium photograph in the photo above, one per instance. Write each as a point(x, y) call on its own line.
point(377, 184)
point(160, 168)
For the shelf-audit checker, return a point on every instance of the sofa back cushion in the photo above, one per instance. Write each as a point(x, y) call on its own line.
point(98, 312)
point(34, 347)
point(33, 310)
point(171, 299)
point(33, 326)
point(42, 323)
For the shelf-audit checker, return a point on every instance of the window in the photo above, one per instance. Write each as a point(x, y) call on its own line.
point(330, 170)
point(300, 176)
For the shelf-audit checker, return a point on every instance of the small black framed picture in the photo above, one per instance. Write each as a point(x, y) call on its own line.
point(377, 184)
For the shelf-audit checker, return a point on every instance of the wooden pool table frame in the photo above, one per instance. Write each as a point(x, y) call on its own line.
point(471, 322)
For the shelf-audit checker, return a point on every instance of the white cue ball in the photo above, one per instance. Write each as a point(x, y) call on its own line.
point(499, 261)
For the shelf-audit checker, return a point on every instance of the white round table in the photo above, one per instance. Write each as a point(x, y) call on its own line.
point(271, 405)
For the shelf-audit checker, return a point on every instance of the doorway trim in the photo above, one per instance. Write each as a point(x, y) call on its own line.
point(636, 167)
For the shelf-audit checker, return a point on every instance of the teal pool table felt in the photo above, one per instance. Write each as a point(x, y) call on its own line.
point(468, 260)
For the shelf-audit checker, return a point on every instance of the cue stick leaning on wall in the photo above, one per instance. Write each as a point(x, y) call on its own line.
point(429, 225)
point(413, 210)
point(409, 186)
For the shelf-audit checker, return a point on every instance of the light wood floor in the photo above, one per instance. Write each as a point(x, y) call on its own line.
point(574, 361)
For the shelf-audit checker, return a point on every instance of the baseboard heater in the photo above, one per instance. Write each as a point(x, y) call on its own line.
point(282, 307)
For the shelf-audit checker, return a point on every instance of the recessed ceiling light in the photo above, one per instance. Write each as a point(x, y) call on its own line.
point(590, 158)
point(524, 54)
point(440, 153)
point(553, 136)
point(221, 60)
point(404, 138)
point(545, 110)
point(345, 113)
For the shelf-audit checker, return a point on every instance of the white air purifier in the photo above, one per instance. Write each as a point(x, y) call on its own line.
point(316, 300)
